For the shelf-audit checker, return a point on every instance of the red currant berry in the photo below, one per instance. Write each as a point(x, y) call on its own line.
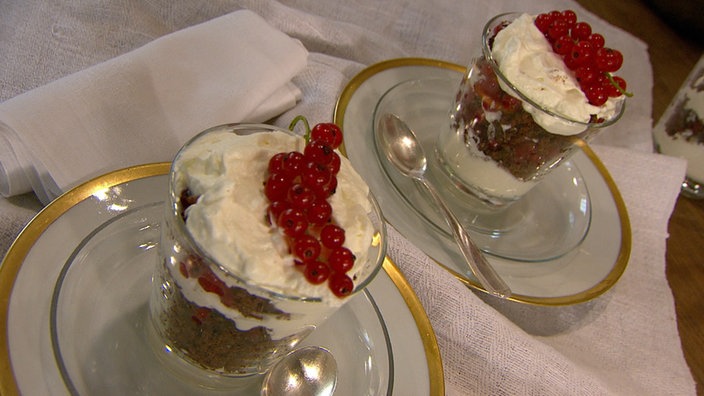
point(558, 29)
point(563, 45)
point(319, 212)
point(275, 209)
point(293, 222)
point(332, 236)
point(293, 163)
point(306, 248)
point(581, 55)
point(581, 31)
point(327, 133)
point(318, 152)
point(341, 285)
point(324, 191)
point(616, 91)
point(596, 94)
point(300, 196)
point(543, 22)
point(586, 76)
point(277, 185)
point(276, 163)
point(608, 60)
point(555, 15)
point(316, 272)
point(331, 187)
point(315, 175)
point(596, 40)
point(570, 17)
point(335, 164)
point(341, 259)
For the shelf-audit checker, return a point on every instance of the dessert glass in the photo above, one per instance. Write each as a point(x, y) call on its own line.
point(496, 149)
point(242, 329)
point(680, 130)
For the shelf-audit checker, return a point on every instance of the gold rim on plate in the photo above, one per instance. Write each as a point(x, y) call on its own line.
point(18, 251)
point(625, 249)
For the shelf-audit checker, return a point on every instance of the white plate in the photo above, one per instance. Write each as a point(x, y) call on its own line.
point(580, 275)
point(406, 357)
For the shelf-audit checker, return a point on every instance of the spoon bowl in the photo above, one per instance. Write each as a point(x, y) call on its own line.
point(405, 152)
point(310, 371)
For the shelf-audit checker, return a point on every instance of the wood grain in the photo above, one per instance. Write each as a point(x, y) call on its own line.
point(672, 54)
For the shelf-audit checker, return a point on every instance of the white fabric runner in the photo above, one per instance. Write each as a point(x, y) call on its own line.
point(624, 342)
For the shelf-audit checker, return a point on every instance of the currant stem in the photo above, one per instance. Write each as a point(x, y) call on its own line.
point(295, 121)
point(615, 84)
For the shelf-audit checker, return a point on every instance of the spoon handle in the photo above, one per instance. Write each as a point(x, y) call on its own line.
point(480, 267)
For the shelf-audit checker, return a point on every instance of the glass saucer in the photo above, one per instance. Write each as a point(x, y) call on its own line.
point(99, 324)
point(547, 223)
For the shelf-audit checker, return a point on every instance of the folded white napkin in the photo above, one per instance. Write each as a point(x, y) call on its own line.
point(142, 106)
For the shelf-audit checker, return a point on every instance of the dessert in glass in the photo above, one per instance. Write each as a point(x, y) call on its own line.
point(255, 255)
point(541, 87)
point(680, 130)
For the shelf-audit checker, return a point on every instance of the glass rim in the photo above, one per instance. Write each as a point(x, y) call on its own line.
point(486, 52)
point(173, 211)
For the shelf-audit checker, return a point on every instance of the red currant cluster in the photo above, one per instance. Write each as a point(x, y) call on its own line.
point(585, 54)
point(298, 187)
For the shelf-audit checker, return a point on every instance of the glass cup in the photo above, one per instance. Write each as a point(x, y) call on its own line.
point(680, 130)
point(497, 147)
point(218, 325)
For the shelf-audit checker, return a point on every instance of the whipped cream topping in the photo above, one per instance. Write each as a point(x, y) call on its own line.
point(227, 172)
point(527, 60)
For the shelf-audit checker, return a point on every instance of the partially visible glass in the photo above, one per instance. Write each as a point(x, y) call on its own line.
point(208, 322)
point(680, 130)
point(497, 148)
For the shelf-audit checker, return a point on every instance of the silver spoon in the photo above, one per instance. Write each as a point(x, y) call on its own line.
point(310, 371)
point(405, 152)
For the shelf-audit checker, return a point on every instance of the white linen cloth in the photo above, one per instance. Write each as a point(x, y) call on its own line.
point(142, 106)
point(624, 342)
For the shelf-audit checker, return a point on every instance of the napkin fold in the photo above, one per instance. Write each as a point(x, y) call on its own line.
point(142, 106)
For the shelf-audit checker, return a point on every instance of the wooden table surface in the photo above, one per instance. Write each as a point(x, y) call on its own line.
point(672, 56)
